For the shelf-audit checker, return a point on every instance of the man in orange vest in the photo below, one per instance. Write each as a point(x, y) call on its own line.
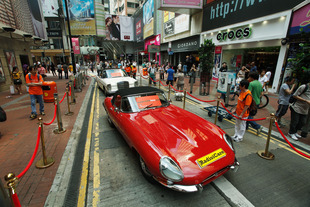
point(134, 71)
point(128, 70)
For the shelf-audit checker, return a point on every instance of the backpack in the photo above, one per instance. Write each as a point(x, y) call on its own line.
point(252, 108)
point(29, 76)
point(292, 99)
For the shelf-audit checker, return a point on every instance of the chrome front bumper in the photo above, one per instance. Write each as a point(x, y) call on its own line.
point(196, 188)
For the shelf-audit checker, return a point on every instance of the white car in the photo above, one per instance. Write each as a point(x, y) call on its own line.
point(112, 80)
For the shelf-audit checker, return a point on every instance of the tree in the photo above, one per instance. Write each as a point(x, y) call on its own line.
point(206, 59)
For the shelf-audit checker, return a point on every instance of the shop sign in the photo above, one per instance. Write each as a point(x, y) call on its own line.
point(187, 44)
point(54, 33)
point(153, 48)
point(169, 28)
point(232, 34)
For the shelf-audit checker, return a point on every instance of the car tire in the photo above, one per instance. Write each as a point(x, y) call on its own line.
point(210, 114)
point(145, 171)
point(220, 118)
point(110, 122)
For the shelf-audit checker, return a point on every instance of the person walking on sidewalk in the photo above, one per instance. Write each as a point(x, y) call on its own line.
point(59, 70)
point(170, 77)
point(284, 96)
point(180, 80)
point(34, 81)
point(152, 74)
point(244, 102)
point(256, 89)
point(299, 110)
point(65, 67)
point(16, 78)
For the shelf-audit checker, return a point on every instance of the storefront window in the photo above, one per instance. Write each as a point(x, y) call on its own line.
point(2, 77)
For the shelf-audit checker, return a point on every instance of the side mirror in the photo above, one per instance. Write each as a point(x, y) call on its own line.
point(116, 109)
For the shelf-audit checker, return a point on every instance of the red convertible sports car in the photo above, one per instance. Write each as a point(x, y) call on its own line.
point(179, 149)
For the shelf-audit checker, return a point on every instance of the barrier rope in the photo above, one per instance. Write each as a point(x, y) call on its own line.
point(69, 90)
point(176, 89)
point(33, 155)
point(144, 77)
point(163, 84)
point(53, 117)
point(288, 142)
point(260, 119)
point(198, 98)
point(63, 97)
point(154, 81)
point(15, 200)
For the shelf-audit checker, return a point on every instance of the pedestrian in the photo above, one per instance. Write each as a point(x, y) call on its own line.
point(134, 71)
point(70, 68)
point(25, 69)
point(244, 102)
point(224, 67)
point(284, 96)
point(59, 70)
point(53, 69)
point(65, 69)
point(170, 77)
point(34, 81)
point(256, 89)
point(42, 71)
point(180, 80)
point(263, 79)
point(192, 74)
point(77, 67)
point(253, 67)
point(299, 110)
point(152, 74)
point(306, 128)
point(162, 72)
point(268, 75)
point(185, 69)
point(16, 78)
point(98, 67)
point(128, 69)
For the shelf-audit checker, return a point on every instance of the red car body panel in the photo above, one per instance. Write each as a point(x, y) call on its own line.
point(177, 133)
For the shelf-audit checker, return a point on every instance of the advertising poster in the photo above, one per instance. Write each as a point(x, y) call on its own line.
point(50, 8)
point(148, 11)
point(181, 23)
point(2, 76)
point(37, 19)
point(182, 4)
point(139, 29)
point(99, 14)
point(82, 17)
point(217, 63)
point(226, 78)
point(76, 46)
point(11, 60)
point(113, 27)
point(300, 21)
point(169, 28)
point(126, 25)
point(148, 29)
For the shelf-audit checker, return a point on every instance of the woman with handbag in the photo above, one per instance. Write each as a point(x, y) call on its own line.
point(16, 74)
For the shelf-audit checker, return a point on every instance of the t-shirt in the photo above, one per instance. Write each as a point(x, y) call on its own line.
point(16, 76)
point(242, 103)
point(268, 75)
point(180, 80)
point(170, 72)
point(253, 69)
point(256, 89)
point(184, 68)
point(283, 96)
point(263, 79)
point(302, 107)
point(34, 90)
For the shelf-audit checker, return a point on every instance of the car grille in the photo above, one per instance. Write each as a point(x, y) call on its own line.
point(215, 174)
point(122, 85)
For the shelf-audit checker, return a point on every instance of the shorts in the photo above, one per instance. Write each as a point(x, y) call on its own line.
point(282, 109)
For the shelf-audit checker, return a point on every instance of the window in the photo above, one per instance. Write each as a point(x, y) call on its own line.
point(54, 25)
point(58, 44)
point(132, 5)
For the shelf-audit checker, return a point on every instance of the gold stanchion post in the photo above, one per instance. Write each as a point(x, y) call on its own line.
point(73, 101)
point(159, 84)
point(169, 92)
point(69, 113)
point(184, 98)
point(141, 77)
point(217, 109)
point(45, 162)
point(11, 184)
point(265, 154)
point(60, 128)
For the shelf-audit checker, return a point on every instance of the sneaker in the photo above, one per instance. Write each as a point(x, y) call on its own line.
point(292, 136)
point(281, 124)
point(238, 139)
point(33, 116)
point(42, 113)
point(297, 135)
point(259, 130)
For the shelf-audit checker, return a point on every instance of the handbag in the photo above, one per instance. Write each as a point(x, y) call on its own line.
point(2, 115)
point(17, 81)
point(12, 91)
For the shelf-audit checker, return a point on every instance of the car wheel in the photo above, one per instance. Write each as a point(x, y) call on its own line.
point(220, 118)
point(145, 171)
point(110, 122)
point(210, 114)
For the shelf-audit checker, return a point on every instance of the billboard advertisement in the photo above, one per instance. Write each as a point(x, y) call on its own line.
point(37, 19)
point(126, 24)
point(300, 21)
point(148, 29)
point(181, 23)
point(76, 46)
point(148, 11)
point(99, 13)
point(81, 17)
point(119, 27)
point(226, 12)
point(193, 4)
point(50, 8)
point(169, 28)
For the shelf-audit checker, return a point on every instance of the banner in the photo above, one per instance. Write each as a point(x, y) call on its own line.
point(82, 17)
point(126, 25)
point(192, 4)
point(300, 21)
point(148, 29)
point(148, 11)
point(181, 23)
point(99, 14)
point(76, 46)
point(50, 8)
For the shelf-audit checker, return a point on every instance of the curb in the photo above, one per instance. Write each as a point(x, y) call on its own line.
point(57, 193)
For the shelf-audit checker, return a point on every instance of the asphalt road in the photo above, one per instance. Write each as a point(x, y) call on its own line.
point(107, 172)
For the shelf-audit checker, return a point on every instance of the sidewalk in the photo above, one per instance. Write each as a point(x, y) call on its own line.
point(19, 135)
point(264, 112)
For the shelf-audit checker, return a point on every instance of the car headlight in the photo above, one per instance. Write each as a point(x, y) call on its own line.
point(109, 87)
point(170, 169)
point(229, 141)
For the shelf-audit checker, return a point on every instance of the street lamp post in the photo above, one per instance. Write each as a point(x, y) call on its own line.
point(69, 30)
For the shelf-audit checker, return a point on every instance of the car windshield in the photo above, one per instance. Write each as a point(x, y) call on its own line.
point(114, 73)
point(141, 102)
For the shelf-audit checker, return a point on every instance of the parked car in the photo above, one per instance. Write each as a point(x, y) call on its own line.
point(175, 147)
point(112, 80)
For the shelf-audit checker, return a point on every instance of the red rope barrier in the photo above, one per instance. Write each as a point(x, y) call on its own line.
point(63, 97)
point(176, 89)
point(260, 119)
point(53, 117)
point(33, 155)
point(15, 200)
point(153, 80)
point(198, 98)
point(163, 84)
point(288, 142)
point(144, 77)
point(70, 91)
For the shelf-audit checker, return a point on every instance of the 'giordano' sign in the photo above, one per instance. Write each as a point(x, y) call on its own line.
point(239, 34)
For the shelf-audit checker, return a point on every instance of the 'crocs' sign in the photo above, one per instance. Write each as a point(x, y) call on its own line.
point(233, 34)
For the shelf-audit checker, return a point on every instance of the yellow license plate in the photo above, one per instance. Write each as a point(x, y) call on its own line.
point(210, 158)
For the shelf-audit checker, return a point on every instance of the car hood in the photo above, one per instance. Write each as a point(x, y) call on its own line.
point(116, 80)
point(182, 136)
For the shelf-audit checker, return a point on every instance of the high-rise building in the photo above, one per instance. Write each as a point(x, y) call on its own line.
point(124, 7)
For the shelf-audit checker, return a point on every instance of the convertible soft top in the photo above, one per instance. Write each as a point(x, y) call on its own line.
point(135, 90)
